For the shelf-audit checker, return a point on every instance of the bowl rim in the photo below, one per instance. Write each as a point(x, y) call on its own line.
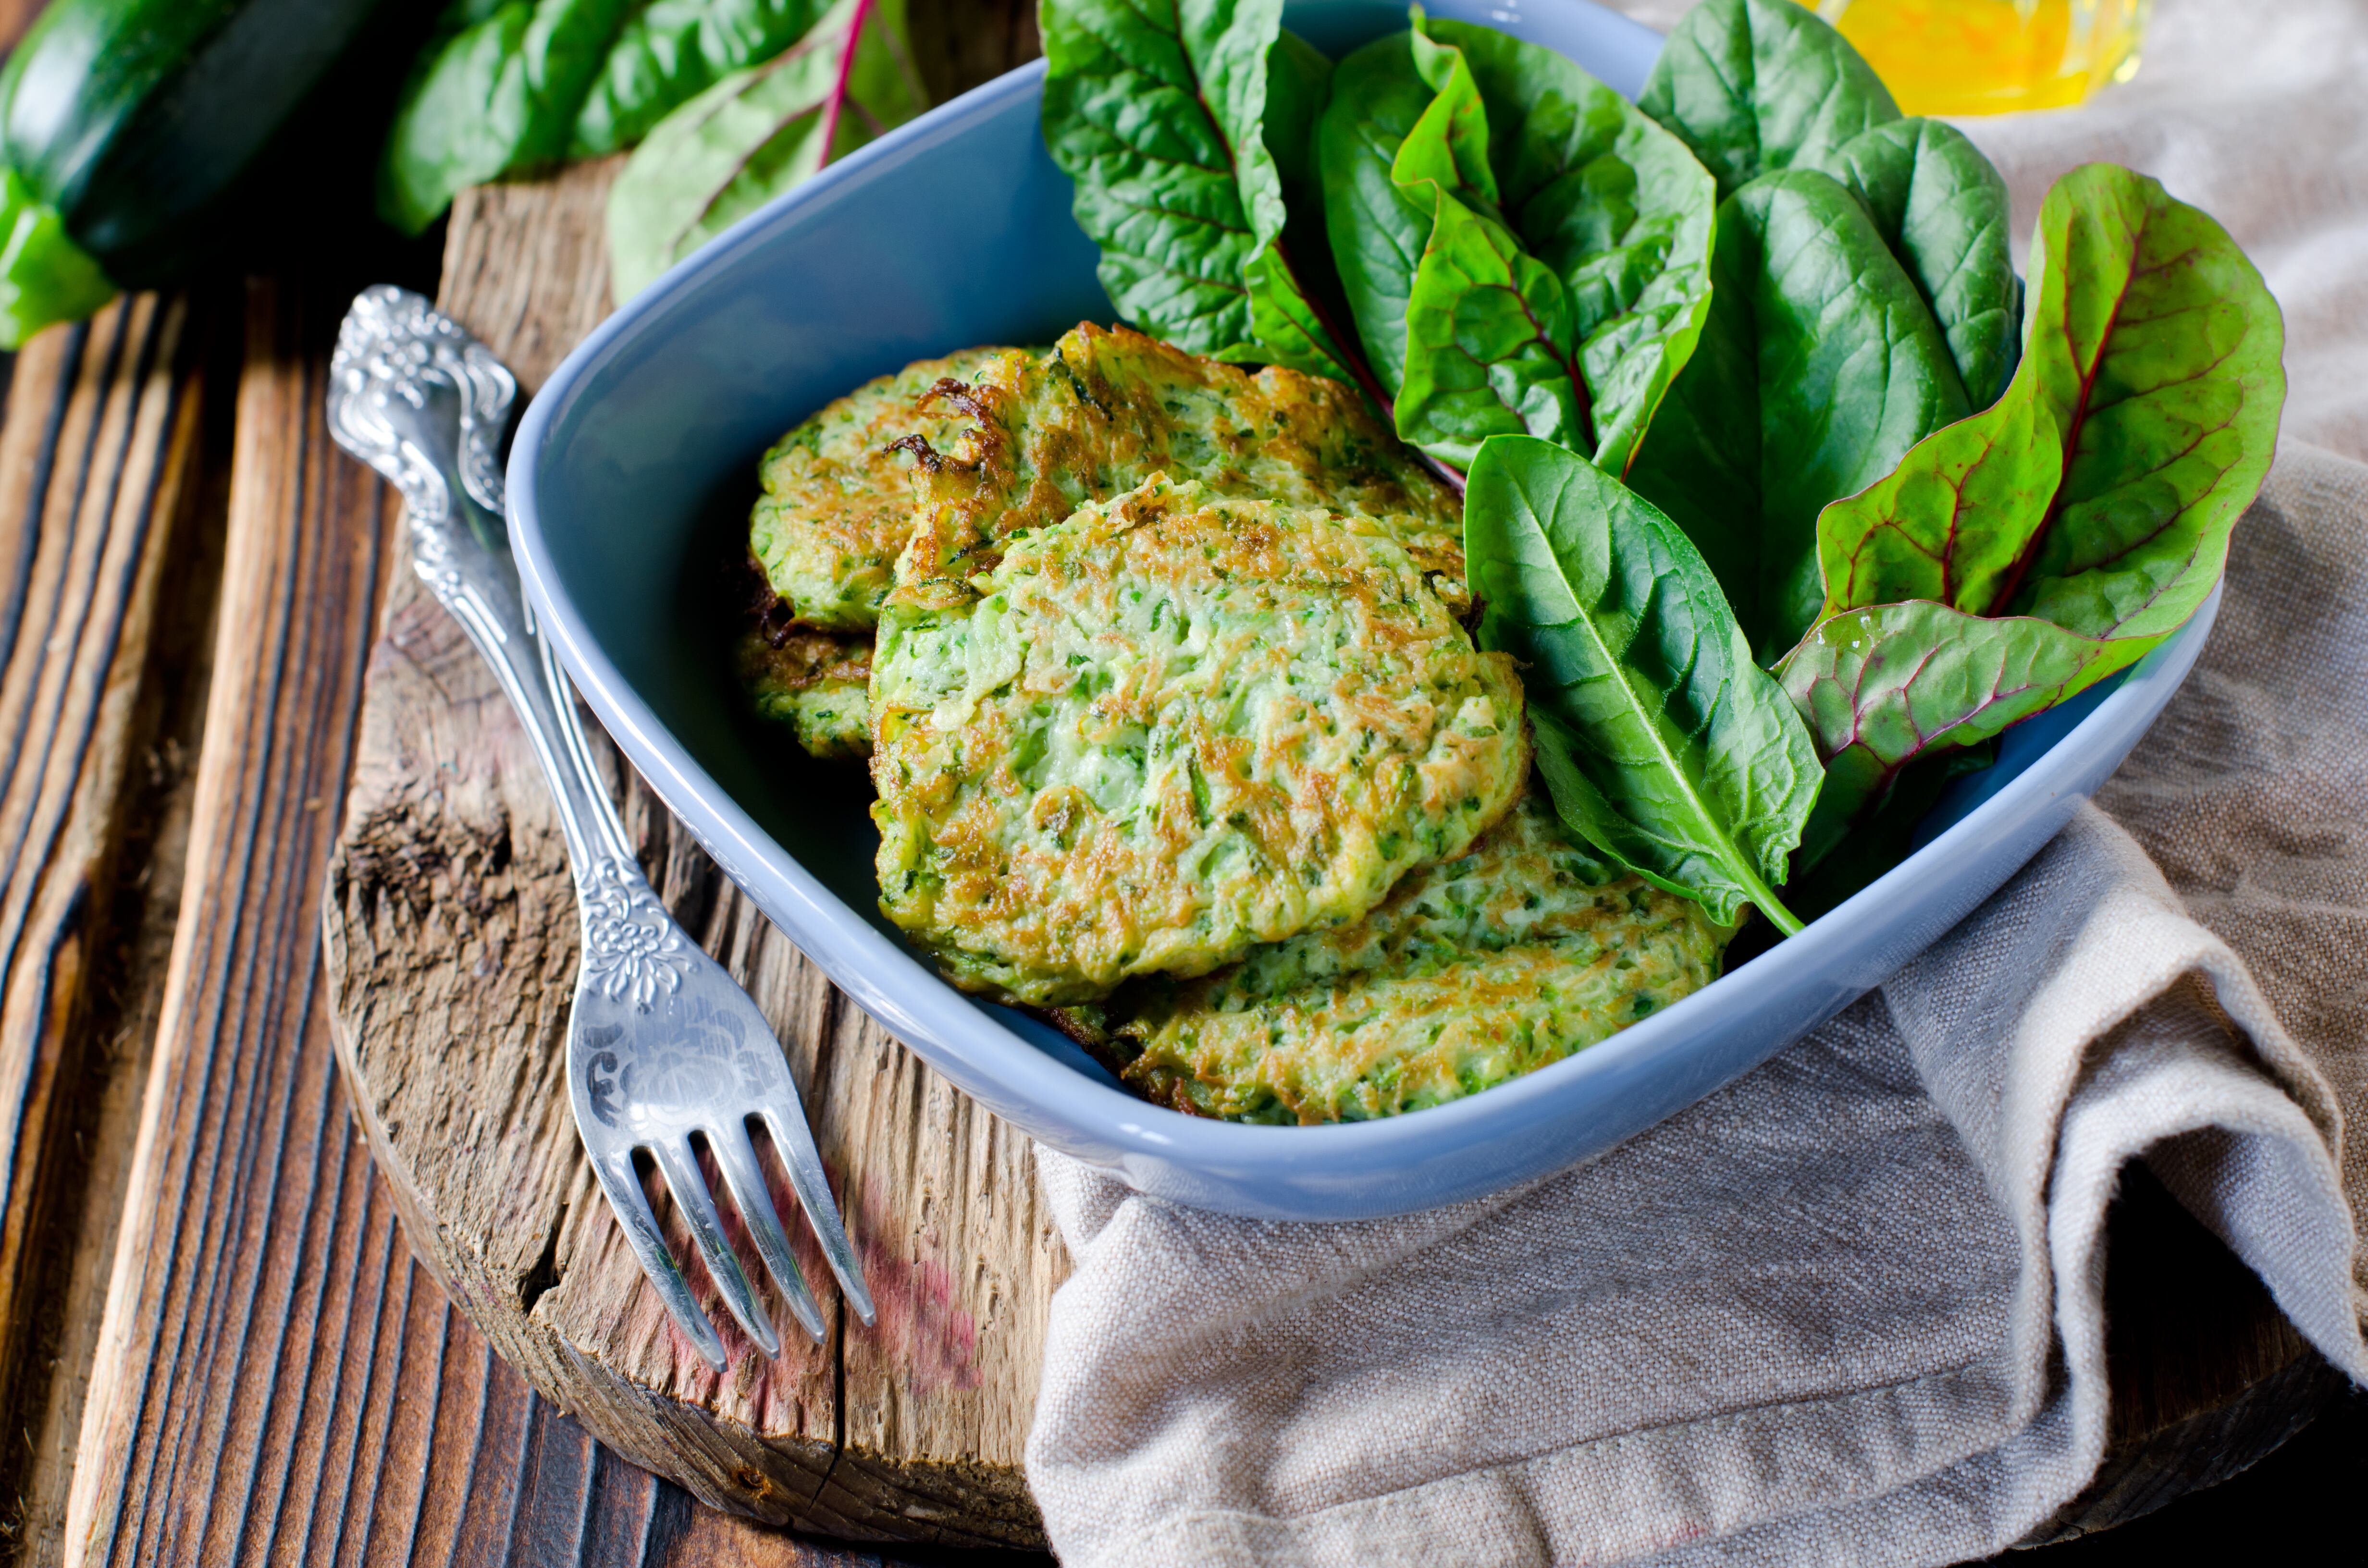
point(960, 1034)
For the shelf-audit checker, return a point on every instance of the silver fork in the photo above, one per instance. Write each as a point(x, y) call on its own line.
point(661, 1043)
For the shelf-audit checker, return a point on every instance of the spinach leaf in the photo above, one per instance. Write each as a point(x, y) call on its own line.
point(1757, 85)
point(1490, 339)
point(498, 89)
point(1817, 369)
point(1377, 231)
point(2090, 507)
point(1942, 207)
point(756, 133)
point(1615, 208)
point(1156, 112)
point(669, 51)
point(1663, 745)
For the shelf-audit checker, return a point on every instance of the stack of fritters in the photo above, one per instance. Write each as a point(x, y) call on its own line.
point(1176, 726)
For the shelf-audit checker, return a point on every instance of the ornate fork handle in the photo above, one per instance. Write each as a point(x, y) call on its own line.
point(422, 402)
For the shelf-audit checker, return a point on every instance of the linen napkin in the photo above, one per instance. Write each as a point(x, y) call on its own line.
point(1851, 1309)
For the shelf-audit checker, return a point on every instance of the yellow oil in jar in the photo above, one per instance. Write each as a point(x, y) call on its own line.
point(1989, 56)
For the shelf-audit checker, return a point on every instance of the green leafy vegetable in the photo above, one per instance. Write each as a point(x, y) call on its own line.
point(498, 89)
point(1836, 860)
point(1883, 686)
point(1611, 206)
point(1615, 206)
point(669, 51)
point(1377, 231)
point(2091, 507)
point(1942, 207)
point(1157, 113)
point(1663, 746)
point(756, 133)
point(1490, 340)
point(1817, 369)
point(1757, 85)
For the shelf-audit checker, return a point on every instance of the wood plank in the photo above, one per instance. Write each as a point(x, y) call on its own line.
point(98, 507)
point(219, 1283)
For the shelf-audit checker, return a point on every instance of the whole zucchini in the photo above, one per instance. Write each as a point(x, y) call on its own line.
point(134, 133)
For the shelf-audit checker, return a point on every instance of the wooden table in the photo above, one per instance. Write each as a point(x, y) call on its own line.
point(213, 1341)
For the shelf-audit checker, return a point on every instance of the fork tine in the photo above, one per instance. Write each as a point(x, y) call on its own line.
point(690, 1192)
point(795, 1140)
point(746, 1179)
point(631, 1207)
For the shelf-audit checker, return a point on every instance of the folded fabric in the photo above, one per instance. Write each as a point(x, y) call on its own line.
point(1851, 1309)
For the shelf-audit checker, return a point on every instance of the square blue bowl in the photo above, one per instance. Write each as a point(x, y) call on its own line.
point(632, 475)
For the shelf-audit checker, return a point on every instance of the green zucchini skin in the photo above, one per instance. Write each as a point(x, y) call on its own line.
point(142, 122)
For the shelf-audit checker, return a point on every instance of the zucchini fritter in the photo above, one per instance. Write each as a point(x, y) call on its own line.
point(1174, 726)
point(1104, 411)
point(838, 490)
point(817, 684)
point(1473, 971)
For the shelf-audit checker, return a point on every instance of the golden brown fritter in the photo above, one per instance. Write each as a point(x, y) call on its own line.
point(838, 505)
point(817, 684)
point(1106, 410)
point(1171, 727)
point(1473, 971)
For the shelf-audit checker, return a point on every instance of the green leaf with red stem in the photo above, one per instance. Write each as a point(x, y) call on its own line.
point(1884, 685)
point(758, 132)
point(2090, 509)
point(2098, 493)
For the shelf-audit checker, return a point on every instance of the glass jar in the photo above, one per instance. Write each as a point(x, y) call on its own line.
point(1990, 56)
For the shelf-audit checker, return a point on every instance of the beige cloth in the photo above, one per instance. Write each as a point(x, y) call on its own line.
point(1851, 1308)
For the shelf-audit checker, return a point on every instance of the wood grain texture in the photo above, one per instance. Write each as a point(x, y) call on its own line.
point(98, 484)
point(451, 943)
point(221, 1280)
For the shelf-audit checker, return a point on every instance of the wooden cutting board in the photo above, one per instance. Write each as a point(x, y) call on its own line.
point(450, 935)
point(450, 932)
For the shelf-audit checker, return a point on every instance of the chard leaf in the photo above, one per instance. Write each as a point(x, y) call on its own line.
point(2098, 493)
point(755, 134)
point(2159, 354)
point(2091, 507)
point(1490, 340)
point(1942, 207)
point(496, 89)
point(1663, 745)
point(1887, 684)
point(1156, 112)
point(1839, 857)
point(1757, 85)
point(669, 52)
point(1614, 207)
point(1817, 369)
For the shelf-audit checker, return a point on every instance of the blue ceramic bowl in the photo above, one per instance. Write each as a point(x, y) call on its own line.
point(634, 471)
